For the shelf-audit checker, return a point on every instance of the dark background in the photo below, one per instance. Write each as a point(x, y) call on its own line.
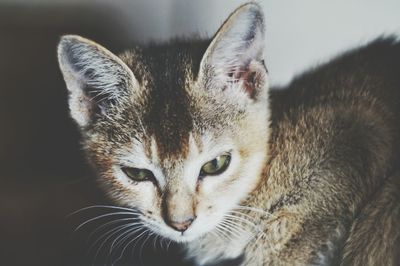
point(43, 174)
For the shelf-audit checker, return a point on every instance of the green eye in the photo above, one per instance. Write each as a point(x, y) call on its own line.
point(137, 174)
point(216, 166)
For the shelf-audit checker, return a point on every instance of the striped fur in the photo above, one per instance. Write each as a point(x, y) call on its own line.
point(313, 178)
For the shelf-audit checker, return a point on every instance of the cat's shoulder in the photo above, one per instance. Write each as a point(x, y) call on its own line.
point(347, 104)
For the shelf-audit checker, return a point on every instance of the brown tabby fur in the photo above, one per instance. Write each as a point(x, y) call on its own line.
point(332, 182)
point(328, 191)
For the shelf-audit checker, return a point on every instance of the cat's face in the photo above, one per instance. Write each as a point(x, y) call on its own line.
point(178, 132)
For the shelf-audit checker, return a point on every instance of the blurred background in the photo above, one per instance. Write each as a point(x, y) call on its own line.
point(43, 175)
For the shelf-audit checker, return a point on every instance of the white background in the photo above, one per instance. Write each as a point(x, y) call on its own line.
point(300, 33)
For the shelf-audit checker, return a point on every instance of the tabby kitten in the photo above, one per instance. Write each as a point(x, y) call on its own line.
point(189, 134)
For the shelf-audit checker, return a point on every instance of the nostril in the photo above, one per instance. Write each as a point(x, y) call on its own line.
point(181, 226)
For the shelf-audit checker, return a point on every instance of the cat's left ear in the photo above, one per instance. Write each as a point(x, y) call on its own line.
point(235, 55)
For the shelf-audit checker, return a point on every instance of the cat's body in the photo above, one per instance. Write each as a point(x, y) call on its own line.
point(332, 181)
point(189, 135)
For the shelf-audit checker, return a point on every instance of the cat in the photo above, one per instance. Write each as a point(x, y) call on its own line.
point(190, 135)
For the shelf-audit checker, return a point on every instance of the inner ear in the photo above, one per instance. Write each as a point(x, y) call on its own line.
point(247, 77)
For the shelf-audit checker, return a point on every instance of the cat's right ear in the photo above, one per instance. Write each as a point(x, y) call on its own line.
point(96, 78)
point(235, 54)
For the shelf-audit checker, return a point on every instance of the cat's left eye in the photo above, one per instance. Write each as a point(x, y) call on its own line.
point(216, 166)
point(138, 174)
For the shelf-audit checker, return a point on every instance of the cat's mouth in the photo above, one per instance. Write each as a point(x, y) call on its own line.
point(193, 232)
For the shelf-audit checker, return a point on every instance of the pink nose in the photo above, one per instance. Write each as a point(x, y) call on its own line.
point(181, 226)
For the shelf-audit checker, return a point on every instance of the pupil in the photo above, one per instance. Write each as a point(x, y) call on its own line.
point(215, 163)
point(142, 174)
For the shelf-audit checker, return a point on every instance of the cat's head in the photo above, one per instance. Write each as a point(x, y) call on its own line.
point(178, 131)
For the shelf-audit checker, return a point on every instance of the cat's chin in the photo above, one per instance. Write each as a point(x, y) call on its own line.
point(179, 237)
point(184, 238)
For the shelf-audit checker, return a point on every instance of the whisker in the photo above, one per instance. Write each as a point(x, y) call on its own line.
point(169, 244)
point(123, 245)
point(224, 232)
point(141, 247)
point(215, 234)
point(140, 121)
point(127, 234)
point(162, 240)
point(272, 247)
point(108, 235)
point(255, 210)
point(102, 206)
point(243, 220)
point(131, 241)
point(141, 236)
point(121, 238)
point(232, 228)
point(110, 223)
point(155, 242)
point(243, 214)
point(102, 216)
point(221, 236)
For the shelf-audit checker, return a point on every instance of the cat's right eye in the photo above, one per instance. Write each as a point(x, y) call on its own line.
point(138, 174)
point(216, 166)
